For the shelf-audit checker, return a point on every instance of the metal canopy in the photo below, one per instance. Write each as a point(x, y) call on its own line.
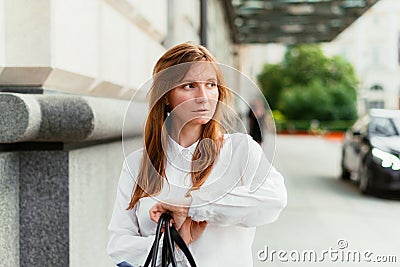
point(291, 21)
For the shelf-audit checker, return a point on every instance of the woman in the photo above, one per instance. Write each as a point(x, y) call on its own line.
point(217, 186)
point(257, 119)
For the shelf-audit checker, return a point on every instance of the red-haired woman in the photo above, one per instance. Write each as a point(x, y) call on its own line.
point(218, 186)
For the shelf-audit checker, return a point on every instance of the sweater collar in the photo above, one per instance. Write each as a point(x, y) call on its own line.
point(174, 149)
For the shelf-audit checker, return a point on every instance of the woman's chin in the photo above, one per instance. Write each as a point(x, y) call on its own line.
point(201, 120)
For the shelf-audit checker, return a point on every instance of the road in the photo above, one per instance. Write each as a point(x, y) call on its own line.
point(323, 211)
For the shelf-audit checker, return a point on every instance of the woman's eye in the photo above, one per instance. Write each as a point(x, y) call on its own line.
point(188, 86)
point(211, 85)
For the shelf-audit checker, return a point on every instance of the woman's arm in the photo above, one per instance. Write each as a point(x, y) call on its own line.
point(258, 198)
point(188, 229)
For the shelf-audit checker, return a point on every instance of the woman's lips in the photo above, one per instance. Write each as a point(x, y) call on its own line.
point(202, 111)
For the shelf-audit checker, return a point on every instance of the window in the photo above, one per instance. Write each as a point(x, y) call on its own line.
point(376, 104)
point(376, 87)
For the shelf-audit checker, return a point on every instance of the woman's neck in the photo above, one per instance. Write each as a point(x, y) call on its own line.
point(188, 135)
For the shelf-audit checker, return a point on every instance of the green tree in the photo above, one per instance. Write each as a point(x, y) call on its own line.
point(272, 81)
point(308, 85)
point(307, 102)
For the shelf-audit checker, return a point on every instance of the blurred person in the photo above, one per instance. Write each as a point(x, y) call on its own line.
point(192, 168)
point(257, 120)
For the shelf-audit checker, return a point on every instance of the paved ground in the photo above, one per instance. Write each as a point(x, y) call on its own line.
point(322, 210)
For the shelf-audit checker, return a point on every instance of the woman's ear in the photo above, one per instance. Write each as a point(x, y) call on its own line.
point(166, 99)
point(167, 105)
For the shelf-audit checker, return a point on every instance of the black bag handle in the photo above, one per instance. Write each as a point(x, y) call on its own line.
point(169, 243)
point(171, 237)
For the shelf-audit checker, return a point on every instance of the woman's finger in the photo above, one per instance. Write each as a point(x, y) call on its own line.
point(155, 214)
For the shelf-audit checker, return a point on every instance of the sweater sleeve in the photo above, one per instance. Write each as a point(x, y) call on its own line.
point(125, 242)
point(257, 199)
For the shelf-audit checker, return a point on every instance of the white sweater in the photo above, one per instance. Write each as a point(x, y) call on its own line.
point(243, 191)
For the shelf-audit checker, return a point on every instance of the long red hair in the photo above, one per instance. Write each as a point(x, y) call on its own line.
point(151, 173)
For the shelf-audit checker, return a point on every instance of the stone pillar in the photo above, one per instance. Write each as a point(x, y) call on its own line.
point(60, 159)
point(44, 208)
point(9, 209)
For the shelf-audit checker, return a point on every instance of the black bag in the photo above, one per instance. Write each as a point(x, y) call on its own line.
point(171, 237)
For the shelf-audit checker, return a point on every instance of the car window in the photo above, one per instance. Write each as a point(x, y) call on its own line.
point(382, 127)
point(396, 122)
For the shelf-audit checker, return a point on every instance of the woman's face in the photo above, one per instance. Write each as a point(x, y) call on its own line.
point(194, 101)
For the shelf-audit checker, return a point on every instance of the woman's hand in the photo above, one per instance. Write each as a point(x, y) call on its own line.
point(179, 213)
point(192, 230)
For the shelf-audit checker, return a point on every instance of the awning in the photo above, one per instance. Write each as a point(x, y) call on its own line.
point(291, 21)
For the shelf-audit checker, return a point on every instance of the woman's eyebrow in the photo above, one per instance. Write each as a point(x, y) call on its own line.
point(196, 80)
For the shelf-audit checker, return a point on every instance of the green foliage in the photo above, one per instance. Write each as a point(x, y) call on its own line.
point(278, 116)
point(308, 85)
point(306, 102)
point(272, 83)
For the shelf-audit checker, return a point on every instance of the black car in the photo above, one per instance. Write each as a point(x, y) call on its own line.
point(371, 151)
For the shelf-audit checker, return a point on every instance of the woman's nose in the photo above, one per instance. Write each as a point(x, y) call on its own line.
point(201, 95)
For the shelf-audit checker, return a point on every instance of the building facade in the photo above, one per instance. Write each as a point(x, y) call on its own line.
point(372, 45)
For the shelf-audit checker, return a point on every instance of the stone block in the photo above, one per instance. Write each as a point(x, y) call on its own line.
point(9, 217)
point(44, 208)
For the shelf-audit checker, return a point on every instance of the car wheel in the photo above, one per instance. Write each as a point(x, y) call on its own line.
point(365, 178)
point(345, 172)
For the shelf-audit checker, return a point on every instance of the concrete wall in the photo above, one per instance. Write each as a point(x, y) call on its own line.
point(218, 35)
point(93, 176)
point(98, 47)
point(88, 47)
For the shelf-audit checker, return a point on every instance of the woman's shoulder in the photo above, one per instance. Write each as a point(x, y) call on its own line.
point(133, 159)
point(237, 138)
point(135, 155)
point(242, 141)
